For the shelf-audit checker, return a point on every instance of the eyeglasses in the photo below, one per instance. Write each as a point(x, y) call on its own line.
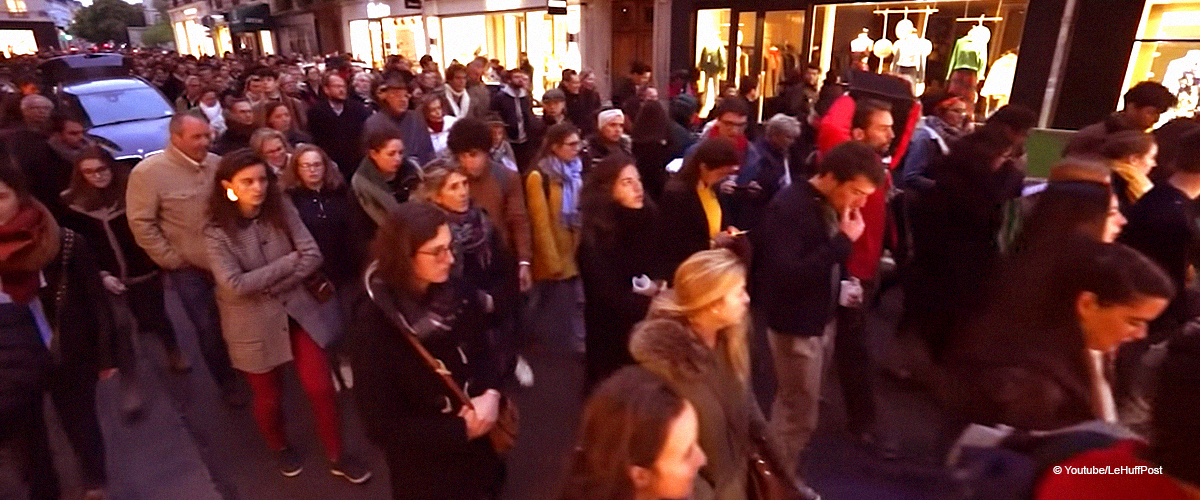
point(311, 167)
point(438, 252)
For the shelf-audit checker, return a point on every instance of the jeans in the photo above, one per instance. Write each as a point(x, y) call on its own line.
point(195, 288)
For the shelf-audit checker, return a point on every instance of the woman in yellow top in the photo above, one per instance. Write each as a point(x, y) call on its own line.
point(691, 215)
point(1131, 155)
point(552, 196)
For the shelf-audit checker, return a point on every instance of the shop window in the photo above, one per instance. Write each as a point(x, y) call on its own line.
point(712, 57)
point(17, 7)
point(958, 43)
point(1167, 49)
point(535, 40)
point(14, 42)
point(782, 42)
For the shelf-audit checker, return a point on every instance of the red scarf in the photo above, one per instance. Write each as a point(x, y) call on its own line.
point(23, 253)
point(741, 143)
point(436, 127)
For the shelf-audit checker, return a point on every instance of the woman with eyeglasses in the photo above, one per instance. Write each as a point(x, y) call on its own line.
point(552, 190)
point(96, 203)
point(263, 260)
point(435, 446)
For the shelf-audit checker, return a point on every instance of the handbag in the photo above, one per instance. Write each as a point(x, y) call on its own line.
point(319, 286)
point(503, 435)
point(767, 480)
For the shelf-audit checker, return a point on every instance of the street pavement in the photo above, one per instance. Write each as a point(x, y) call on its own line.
point(191, 446)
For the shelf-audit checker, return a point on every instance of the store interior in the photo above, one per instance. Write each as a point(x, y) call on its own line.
point(1167, 50)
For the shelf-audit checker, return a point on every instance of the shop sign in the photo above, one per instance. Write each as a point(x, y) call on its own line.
point(557, 7)
point(412, 4)
point(378, 10)
point(250, 18)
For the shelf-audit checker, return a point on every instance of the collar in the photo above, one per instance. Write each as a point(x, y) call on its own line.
point(199, 166)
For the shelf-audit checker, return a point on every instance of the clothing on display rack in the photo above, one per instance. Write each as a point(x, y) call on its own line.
point(861, 43)
point(999, 81)
point(1182, 78)
point(910, 51)
point(712, 70)
point(971, 51)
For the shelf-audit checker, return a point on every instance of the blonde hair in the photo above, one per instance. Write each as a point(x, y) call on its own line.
point(434, 176)
point(702, 280)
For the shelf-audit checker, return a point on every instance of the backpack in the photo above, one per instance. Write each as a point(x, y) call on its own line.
point(1001, 463)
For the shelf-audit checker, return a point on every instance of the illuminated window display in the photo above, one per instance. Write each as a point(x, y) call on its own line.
point(15, 42)
point(1167, 49)
point(546, 42)
point(373, 40)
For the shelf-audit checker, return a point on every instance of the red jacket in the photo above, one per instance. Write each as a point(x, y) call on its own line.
point(834, 130)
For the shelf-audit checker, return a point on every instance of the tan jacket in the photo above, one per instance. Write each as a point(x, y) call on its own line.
point(167, 205)
point(259, 273)
point(553, 244)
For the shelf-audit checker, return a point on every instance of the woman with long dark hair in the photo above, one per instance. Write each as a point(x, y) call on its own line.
point(272, 310)
point(653, 146)
point(1036, 358)
point(619, 262)
point(387, 176)
point(277, 116)
point(552, 195)
point(638, 441)
point(435, 447)
point(691, 214)
point(96, 203)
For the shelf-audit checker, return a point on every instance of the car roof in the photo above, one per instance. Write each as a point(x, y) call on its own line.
point(105, 85)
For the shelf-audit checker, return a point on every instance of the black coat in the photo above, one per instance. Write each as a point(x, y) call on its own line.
point(406, 408)
point(652, 159)
point(81, 324)
point(236, 137)
point(797, 262)
point(506, 104)
point(607, 266)
point(1162, 226)
point(683, 224)
point(582, 109)
point(47, 173)
point(339, 135)
point(108, 235)
point(340, 228)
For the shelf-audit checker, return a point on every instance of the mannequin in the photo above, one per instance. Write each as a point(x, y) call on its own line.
point(861, 43)
point(711, 62)
point(998, 84)
point(971, 51)
point(1182, 77)
point(911, 51)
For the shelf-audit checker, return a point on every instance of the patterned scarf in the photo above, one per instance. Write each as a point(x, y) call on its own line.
point(570, 174)
point(470, 233)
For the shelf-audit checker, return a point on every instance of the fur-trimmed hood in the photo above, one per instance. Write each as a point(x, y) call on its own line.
point(668, 346)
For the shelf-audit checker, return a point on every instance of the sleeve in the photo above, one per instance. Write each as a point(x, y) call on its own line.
point(227, 271)
point(607, 288)
point(542, 233)
point(916, 162)
point(795, 255)
point(141, 205)
point(83, 268)
point(368, 203)
point(516, 217)
point(302, 242)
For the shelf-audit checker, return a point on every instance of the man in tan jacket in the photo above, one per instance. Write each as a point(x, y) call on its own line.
point(167, 206)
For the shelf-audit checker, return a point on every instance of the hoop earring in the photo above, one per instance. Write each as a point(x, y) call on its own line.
point(230, 194)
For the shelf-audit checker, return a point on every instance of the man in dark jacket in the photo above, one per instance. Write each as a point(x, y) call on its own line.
point(241, 127)
point(801, 246)
point(768, 169)
point(1144, 103)
point(337, 125)
point(515, 106)
point(393, 96)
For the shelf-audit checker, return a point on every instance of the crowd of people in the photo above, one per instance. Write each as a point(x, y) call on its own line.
point(427, 226)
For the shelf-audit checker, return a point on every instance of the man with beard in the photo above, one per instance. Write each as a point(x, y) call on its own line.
point(337, 124)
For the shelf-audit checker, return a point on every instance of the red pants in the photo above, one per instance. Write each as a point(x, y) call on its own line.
point(313, 370)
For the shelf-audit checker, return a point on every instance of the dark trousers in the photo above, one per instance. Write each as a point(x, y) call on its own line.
point(195, 288)
point(523, 154)
point(144, 302)
point(855, 367)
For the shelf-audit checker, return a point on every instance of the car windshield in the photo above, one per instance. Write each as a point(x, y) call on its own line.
point(122, 105)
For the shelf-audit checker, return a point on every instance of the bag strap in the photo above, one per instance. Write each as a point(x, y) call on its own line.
point(382, 299)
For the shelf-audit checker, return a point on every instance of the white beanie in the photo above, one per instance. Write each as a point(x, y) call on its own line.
point(608, 116)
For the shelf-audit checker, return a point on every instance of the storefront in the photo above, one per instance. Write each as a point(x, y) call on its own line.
point(923, 41)
point(250, 29)
point(535, 39)
point(297, 35)
point(381, 29)
point(191, 35)
point(1167, 50)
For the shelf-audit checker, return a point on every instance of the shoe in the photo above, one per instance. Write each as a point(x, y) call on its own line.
point(350, 469)
point(290, 462)
point(807, 493)
point(95, 494)
point(177, 362)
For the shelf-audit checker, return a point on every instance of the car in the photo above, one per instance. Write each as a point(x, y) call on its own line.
point(126, 115)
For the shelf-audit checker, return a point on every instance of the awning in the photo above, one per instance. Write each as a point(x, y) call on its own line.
point(250, 18)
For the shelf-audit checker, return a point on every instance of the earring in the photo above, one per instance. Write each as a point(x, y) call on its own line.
point(230, 194)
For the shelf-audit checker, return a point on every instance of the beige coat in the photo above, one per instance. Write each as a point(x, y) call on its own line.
point(167, 206)
point(259, 274)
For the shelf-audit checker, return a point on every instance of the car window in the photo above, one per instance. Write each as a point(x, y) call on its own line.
point(114, 106)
